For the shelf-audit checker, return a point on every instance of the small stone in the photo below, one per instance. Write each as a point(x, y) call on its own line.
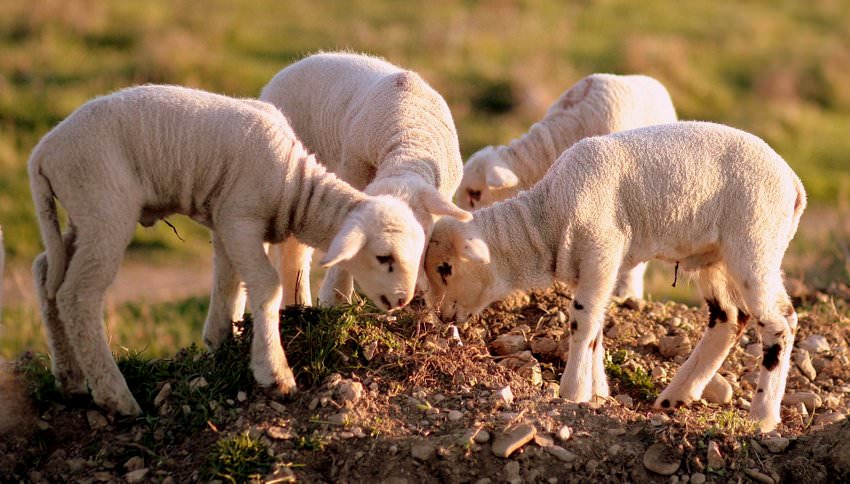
point(697, 478)
point(803, 360)
point(277, 406)
point(134, 463)
point(758, 476)
point(545, 345)
point(617, 432)
point(138, 475)
point(829, 418)
point(562, 317)
point(198, 383)
point(504, 396)
point(241, 396)
point(648, 339)
point(659, 419)
point(455, 415)
point(658, 372)
point(613, 332)
point(776, 444)
point(96, 420)
point(505, 444)
point(349, 392)
point(753, 349)
point(714, 458)
point(102, 476)
point(561, 453)
point(661, 459)
point(718, 390)
point(512, 472)
point(346, 435)
point(481, 437)
point(543, 440)
point(279, 433)
point(811, 400)
point(532, 372)
point(162, 395)
point(168, 480)
point(815, 343)
point(672, 346)
point(422, 451)
point(76, 464)
point(340, 418)
point(369, 350)
point(614, 450)
point(625, 400)
point(508, 344)
point(564, 433)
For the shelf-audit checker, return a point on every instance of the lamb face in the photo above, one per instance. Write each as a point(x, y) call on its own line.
point(461, 279)
point(486, 180)
point(380, 243)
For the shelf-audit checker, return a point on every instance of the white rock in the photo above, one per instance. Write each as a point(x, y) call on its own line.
point(508, 344)
point(811, 400)
point(241, 396)
point(564, 433)
point(138, 475)
point(776, 444)
point(815, 343)
point(697, 478)
point(507, 443)
point(96, 420)
point(803, 360)
point(672, 346)
point(504, 395)
point(348, 392)
point(718, 390)
point(714, 458)
point(658, 372)
point(625, 400)
point(647, 339)
point(661, 459)
point(279, 433)
point(481, 437)
point(422, 451)
point(162, 395)
point(134, 463)
point(829, 418)
point(659, 419)
point(455, 415)
point(198, 383)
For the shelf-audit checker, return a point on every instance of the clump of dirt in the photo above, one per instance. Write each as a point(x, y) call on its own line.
point(404, 402)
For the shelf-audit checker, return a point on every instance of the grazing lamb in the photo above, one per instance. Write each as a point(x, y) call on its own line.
point(379, 127)
point(713, 199)
point(598, 104)
point(236, 167)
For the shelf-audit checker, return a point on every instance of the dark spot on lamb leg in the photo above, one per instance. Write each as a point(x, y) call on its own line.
point(715, 313)
point(665, 403)
point(574, 325)
point(679, 403)
point(743, 319)
point(577, 305)
point(771, 357)
point(760, 390)
point(592, 345)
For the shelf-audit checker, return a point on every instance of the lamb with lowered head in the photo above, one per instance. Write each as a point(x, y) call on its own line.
point(717, 201)
point(377, 126)
point(233, 165)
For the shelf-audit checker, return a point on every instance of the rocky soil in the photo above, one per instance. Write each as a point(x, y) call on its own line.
point(484, 408)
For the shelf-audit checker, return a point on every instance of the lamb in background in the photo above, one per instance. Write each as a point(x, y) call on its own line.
point(382, 129)
point(232, 165)
point(716, 200)
point(596, 105)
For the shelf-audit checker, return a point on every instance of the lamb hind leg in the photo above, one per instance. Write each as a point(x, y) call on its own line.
point(630, 282)
point(725, 324)
point(92, 268)
point(242, 241)
point(294, 263)
point(337, 287)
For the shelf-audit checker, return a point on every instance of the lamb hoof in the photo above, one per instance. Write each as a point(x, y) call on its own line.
point(126, 406)
point(765, 420)
point(670, 403)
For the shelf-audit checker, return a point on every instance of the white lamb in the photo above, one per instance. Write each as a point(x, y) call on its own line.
point(596, 105)
point(713, 199)
point(379, 127)
point(233, 165)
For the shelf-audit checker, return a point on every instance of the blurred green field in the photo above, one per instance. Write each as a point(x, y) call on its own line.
point(779, 69)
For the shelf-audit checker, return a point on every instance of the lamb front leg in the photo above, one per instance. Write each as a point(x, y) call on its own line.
point(227, 301)
point(295, 272)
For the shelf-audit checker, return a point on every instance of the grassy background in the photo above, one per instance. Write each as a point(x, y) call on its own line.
point(779, 69)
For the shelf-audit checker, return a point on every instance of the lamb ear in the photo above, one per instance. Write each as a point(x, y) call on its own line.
point(345, 245)
point(437, 205)
point(500, 176)
point(471, 248)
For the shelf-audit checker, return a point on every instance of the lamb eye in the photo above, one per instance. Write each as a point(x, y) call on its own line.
point(474, 195)
point(444, 270)
point(386, 259)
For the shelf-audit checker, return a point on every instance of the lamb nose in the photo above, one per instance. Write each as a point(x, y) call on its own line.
point(400, 302)
point(386, 302)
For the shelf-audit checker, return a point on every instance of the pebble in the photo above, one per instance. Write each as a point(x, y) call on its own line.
point(672, 346)
point(508, 344)
point(564, 433)
point(543, 440)
point(279, 433)
point(198, 383)
point(718, 390)
point(134, 463)
point(545, 345)
point(659, 419)
point(422, 451)
point(504, 396)
point(617, 432)
point(661, 459)
point(649, 339)
point(76, 464)
point(505, 444)
point(241, 396)
point(713, 457)
point(753, 349)
point(348, 392)
point(625, 400)
point(96, 420)
point(561, 453)
point(481, 437)
point(758, 476)
point(815, 343)
point(455, 415)
point(277, 406)
point(138, 475)
point(338, 418)
point(776, 445)
point(615, 450)
point(659, 373)
point(811, 400)
point(829, 418)
point(512, 472)
point(803, 360)
point(163, 394)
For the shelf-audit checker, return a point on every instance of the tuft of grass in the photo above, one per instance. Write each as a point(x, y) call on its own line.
point(726, 423)
point(635, 380)
point(38, 379)
point(240, 458)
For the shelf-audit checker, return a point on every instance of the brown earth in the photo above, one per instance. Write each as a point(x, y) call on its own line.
point(433, 412)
